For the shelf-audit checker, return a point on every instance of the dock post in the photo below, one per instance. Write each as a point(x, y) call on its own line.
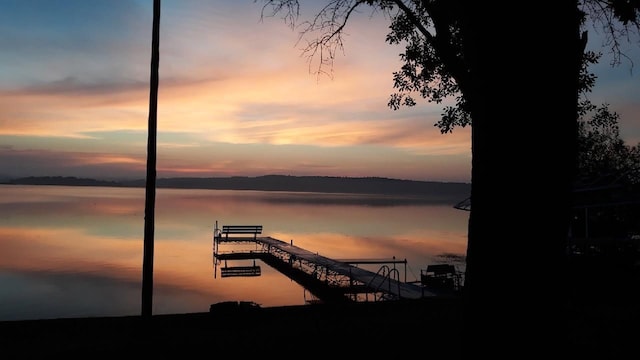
point(405, 269)
point(215, 240)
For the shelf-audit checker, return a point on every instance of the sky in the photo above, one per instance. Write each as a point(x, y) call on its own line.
point(236, 96)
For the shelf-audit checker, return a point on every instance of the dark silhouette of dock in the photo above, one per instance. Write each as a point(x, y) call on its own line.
point(330, 280)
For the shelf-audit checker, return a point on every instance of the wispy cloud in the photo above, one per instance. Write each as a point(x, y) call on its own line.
point(236, 96)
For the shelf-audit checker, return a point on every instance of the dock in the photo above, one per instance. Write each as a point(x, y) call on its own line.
point(330, 280)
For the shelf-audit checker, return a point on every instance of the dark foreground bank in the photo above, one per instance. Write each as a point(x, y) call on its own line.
point(300, 331)
point(602, 318)
point(428, 328)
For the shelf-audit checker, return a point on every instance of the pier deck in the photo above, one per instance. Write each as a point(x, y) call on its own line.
point(342, 274)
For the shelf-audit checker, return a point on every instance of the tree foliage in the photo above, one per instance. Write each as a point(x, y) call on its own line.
point(618, 21)
point(602, 153)
point(608, 184)
point(434, 66)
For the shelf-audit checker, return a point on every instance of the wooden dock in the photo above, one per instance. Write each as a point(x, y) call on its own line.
point(313, 269)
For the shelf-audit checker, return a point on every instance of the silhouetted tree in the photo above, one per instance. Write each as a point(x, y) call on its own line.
point(601, 150)
point(506, 65)
point(607, 194)
point(607, 191)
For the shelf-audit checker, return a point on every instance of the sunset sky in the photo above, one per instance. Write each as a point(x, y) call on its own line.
point(236, 97)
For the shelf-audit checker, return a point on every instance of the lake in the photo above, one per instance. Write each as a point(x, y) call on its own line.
point(70, 252)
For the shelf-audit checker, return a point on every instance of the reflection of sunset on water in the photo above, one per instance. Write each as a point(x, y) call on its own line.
point(67, 250)
point(78, 251)
point(402, 246)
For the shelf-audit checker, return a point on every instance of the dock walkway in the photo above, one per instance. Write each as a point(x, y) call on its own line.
point(383, 284)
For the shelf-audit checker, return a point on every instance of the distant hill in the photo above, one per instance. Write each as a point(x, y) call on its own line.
point(60, 180)
point(325, 184)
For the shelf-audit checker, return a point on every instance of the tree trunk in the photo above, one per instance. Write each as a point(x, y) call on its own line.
point(523, 105)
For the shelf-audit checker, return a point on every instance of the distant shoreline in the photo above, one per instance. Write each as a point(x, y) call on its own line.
point(323, 184)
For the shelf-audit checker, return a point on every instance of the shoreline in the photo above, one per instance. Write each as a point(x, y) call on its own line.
point(603, 328)
point(257, 331)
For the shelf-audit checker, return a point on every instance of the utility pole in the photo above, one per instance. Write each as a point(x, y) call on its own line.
point(150, 199)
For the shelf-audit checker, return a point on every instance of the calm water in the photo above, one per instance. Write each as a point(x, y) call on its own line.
point(77, 251)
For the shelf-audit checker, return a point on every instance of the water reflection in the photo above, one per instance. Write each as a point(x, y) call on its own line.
point(77, 251)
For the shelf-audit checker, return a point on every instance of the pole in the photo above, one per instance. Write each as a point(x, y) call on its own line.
point(150, 199)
